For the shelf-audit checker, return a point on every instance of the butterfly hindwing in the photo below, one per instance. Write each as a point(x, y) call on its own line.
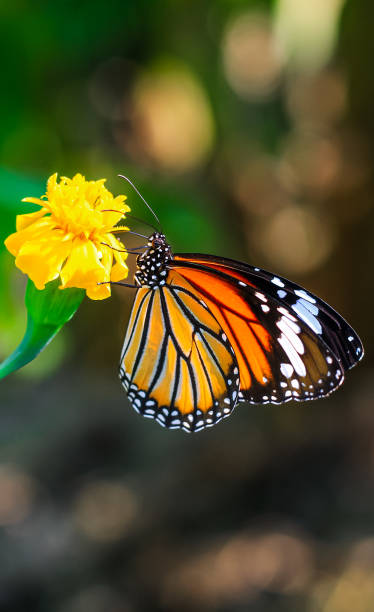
point(177, 365)
point(289, 344)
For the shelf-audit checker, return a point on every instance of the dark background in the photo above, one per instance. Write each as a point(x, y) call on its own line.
point(249, 127)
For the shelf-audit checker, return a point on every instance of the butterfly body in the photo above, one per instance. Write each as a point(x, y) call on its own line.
point(151, 265)
point(206, 332)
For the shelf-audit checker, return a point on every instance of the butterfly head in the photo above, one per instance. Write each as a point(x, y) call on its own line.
point(151, 265)
point(157, 240)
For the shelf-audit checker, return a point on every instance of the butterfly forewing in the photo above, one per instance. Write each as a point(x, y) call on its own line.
point(177, 364)
point(295, 348)
point(321, 318)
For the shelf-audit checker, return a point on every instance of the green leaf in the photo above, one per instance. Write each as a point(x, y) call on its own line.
point(47, 311)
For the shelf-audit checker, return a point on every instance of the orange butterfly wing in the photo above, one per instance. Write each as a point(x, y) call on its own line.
point(177, 364)
point(279, 356)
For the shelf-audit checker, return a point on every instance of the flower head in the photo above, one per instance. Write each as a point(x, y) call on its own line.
point(72, 236)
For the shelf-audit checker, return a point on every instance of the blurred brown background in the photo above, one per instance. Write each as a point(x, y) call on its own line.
point(249, 127)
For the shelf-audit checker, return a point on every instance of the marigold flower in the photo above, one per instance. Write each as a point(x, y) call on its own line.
point(71, 236)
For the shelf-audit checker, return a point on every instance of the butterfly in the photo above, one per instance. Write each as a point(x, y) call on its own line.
point(208, 332)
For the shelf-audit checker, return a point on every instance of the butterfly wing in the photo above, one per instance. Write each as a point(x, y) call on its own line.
point(289, 344)
point(177, 365)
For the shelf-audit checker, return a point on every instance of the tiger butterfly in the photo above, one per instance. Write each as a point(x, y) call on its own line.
point(207, 332)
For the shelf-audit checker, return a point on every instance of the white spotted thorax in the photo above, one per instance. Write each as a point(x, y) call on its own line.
point(151, 265)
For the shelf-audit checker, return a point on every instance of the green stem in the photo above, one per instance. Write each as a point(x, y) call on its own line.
point(34, 340)
point(47, 311)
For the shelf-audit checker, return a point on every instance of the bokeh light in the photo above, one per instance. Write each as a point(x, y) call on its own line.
point(105, 511)
point(17, 491)
point(252, 58)
point(317, 100)
point(172, 118)
point(354, 590)
point(314, 160)
point(239, 569)
point(296, 240)
point(257, 187)
point(307, 30)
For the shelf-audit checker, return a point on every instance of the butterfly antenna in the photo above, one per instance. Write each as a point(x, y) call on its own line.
point(141, 221)
point(130, 232)
point(132, 251)
point(145, 202)
point(131, 217)
point(136, 234)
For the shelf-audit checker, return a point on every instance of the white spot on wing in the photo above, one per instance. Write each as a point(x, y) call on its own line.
point(292, 355)
point(303, 294)
point(286, 369)
point(307, 317)
point(282, 294)
point(311, 307)
point(277, 281)
point(289, 333)
point(286, 313)
point(260, 296)
point(291, 325)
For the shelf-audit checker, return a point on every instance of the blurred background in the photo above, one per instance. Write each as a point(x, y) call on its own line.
point(249, 127)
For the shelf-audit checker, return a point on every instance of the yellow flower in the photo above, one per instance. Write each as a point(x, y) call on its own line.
point(71, 237)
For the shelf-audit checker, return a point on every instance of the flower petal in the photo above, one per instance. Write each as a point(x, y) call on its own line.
point(37, 201)
point(42, 259)
point(106, 261)
point(25, 220)
point(102, 291)
point(34, 231)
point(99, 292)
point(51, 185)
point(112, 209)
point(120, 269)
point(83, 267)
